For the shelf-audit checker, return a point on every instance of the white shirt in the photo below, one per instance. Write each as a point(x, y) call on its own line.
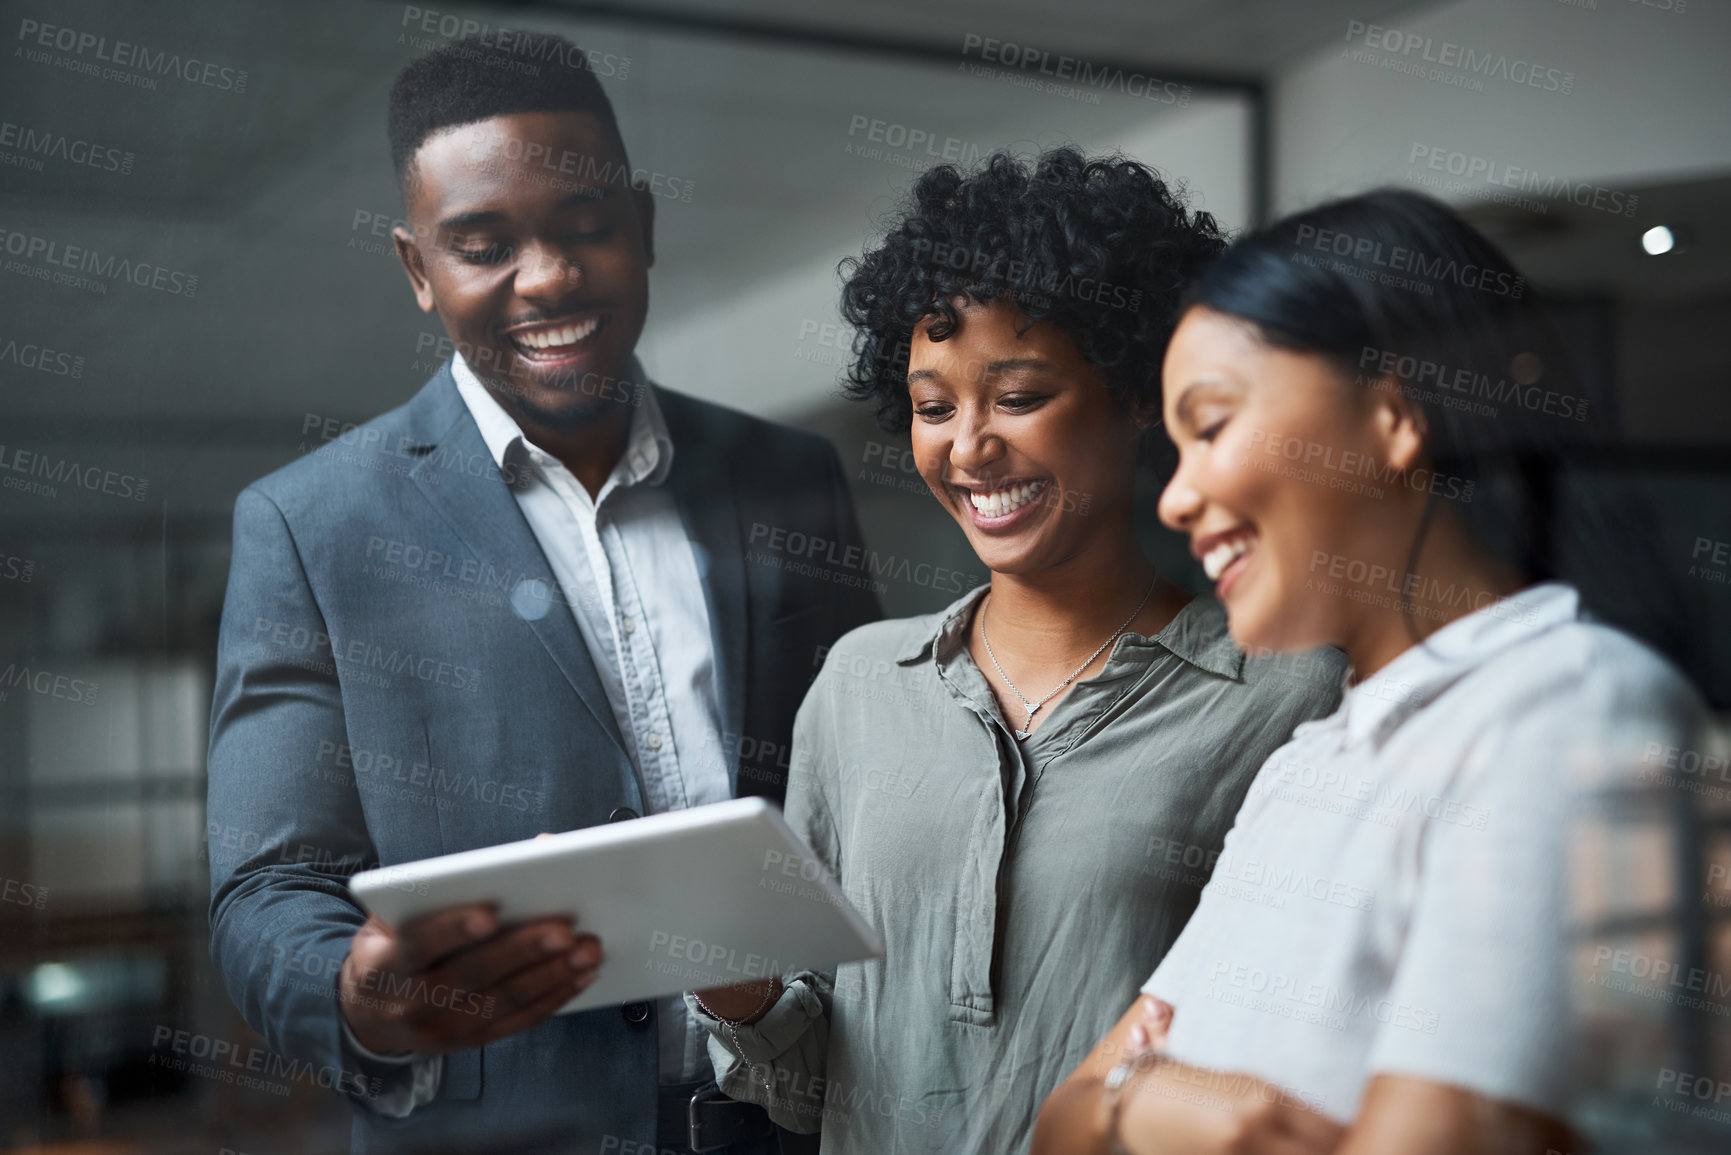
point(1395, 895)
point(625, 564)
point(625, 567)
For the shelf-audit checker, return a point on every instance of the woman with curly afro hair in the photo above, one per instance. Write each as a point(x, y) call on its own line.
point(1023, 793)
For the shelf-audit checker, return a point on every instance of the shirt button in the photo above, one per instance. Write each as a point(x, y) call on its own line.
point(622, 814)
point(655, 741)
point(635, 1013)
point(630, 626)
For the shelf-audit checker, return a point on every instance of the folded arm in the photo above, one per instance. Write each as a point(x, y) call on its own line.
point(1170, 1108)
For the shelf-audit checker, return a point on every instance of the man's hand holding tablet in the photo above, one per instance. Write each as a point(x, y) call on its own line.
point(715, 898)
point(452, 979)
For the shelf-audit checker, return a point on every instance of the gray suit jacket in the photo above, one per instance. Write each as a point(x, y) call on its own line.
point(394, 682)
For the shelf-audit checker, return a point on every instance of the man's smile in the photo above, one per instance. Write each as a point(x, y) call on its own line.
point(551, 343)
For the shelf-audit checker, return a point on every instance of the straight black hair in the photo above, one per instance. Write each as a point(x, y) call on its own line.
point(1400, 293)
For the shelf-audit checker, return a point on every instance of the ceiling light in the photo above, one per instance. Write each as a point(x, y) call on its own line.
point(1658, 239)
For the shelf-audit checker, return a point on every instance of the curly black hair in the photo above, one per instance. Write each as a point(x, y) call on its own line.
point(1101, 248)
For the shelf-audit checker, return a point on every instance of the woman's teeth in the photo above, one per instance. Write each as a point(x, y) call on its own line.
point(1215, 561)
point(1003, 502)
point(558, 338)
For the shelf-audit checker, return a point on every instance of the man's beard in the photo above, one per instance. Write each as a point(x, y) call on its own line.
point(596, 399)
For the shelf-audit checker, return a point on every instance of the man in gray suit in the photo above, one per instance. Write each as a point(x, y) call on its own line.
point(543, 594)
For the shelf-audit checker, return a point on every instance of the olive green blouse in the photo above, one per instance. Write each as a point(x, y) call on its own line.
point(1023, 890)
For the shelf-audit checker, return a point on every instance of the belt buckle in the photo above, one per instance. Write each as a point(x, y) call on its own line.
point(695, 1138)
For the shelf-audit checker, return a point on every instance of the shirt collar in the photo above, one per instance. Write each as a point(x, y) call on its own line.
point(1197, 635)
point(1373, 708)
point(648, 452)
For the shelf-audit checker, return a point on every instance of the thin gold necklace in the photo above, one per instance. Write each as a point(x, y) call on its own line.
point(1033, 707)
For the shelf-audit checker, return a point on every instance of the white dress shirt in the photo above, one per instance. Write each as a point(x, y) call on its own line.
point(626, 569)
point(1398, 894)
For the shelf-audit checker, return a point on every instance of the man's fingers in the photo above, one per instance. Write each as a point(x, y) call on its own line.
point(522, 998)
point(482, 967)
point(525, 1017)
point(539, 981)
point(426, 940)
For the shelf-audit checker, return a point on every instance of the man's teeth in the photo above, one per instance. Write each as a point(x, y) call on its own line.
point(556, 338)
point(1001, 502)
point(1215, 561)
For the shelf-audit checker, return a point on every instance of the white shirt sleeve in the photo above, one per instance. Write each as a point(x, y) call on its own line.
point(405, 1082)
point(1481, 997)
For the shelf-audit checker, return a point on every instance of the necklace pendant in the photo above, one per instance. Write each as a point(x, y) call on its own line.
point(1033, 707)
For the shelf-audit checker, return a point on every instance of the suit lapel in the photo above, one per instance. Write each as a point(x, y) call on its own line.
point(702, 483)
point(459, 479)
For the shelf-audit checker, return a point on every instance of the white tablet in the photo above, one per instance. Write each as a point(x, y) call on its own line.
point(694, 898)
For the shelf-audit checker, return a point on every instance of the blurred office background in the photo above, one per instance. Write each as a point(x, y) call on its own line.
point(795, 125)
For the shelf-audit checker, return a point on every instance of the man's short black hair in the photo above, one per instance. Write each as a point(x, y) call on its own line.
point(1100, 247)
point(467, 81)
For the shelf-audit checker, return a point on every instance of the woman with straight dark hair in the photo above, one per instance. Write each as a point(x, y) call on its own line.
point(1367, 403)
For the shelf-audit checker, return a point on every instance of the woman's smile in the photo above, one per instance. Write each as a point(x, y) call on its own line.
point(1002, 507)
